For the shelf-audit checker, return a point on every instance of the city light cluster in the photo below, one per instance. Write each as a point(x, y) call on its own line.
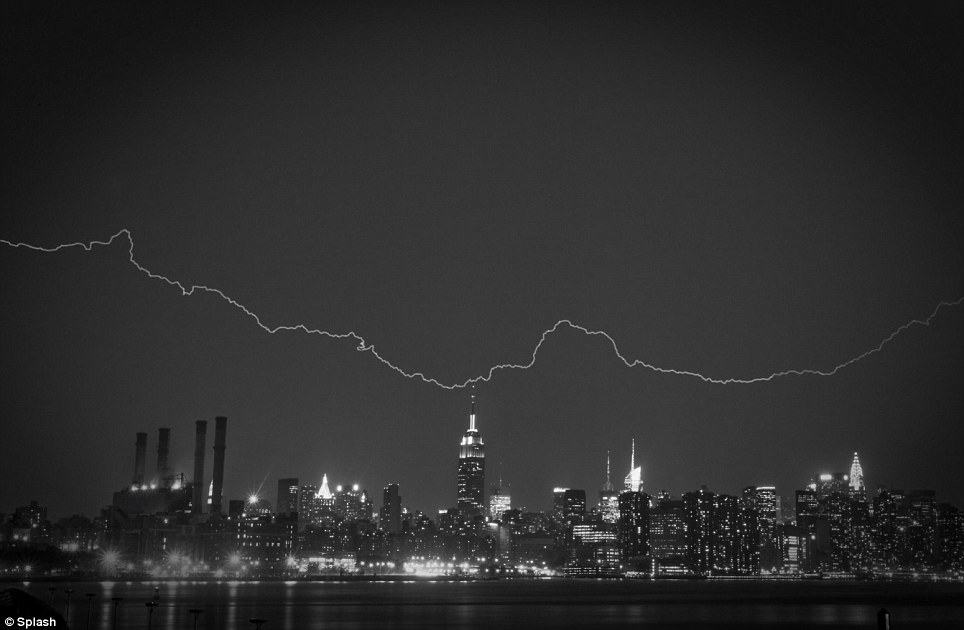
point(830, 527)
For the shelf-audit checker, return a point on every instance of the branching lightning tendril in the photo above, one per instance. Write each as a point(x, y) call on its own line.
point(364, 346)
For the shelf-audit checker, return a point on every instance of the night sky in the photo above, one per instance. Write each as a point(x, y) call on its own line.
point(732, 189)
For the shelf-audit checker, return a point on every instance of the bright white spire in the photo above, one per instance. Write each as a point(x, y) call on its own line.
point(856, 475)
point(472, 415)
point(634, 480)
point(324, 492)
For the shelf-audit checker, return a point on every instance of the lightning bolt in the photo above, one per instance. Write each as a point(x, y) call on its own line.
point(364, 346)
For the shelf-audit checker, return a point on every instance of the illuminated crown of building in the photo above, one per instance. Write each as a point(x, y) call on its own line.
point(324, 492)
point(856, 475)
point(472, 445)
point(634, 480)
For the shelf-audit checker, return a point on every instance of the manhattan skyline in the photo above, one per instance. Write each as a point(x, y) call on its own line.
point(734, 190)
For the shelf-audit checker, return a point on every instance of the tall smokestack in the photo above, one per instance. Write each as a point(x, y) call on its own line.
point(197, 501)
point(140, 453)
point(220, 431)
point(163, 446)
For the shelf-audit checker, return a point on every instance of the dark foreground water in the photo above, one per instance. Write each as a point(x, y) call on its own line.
point(513, 604)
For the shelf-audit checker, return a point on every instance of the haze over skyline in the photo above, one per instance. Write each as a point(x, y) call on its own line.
point(731, 189)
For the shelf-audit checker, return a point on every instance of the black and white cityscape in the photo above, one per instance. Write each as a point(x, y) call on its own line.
point(447, 314)
point(175, 524)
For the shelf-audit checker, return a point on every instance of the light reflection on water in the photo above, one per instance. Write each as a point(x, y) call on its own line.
point(507, 603)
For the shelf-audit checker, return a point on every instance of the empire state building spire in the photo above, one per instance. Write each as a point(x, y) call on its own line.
point(471, 477)
point(472, 414)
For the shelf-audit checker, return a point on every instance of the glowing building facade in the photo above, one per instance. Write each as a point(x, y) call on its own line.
point(471, 477)
point(634, 480)
point(609, 498)
point(856, 476)
point(500, 502)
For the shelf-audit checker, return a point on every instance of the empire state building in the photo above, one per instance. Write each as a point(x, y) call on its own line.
point(471, 500)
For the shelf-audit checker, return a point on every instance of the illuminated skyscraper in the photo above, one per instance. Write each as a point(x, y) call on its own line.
point(634, 480)
point(558, 503)
point(307, 508)
point(351, 503)
point(316, 505)
point(856, 476)
point(667, 527)
point(763, 501)
point(500, 501)
point(324, 493)
point(390, 516)
point(633, 524)
point(609, 498)
point(471, 479)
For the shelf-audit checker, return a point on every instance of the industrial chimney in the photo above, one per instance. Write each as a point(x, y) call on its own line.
point(220, 430)
point(197, 500)
point(163, 446)
point(140, 453)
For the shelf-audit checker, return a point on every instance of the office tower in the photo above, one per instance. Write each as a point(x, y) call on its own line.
point(633, 525)
point(324, 502)
point(950, 536)
point(763, 500)
point(667, 527)
point(839, 517)
point(308, 511)
point(574, 504)
point(634, 480)
point(806, 506)
point(593, 549)
point(351, 503)
point(726, 536)
point(287, 495)
point(788, 511)
point(885, 529)
point(856, 476)
point(698, 509)
point(831, 483)
point(558, 504)
point(920, 533)
point(500, 502)
point(471, 477)
point(390, 516)
point(608, 498)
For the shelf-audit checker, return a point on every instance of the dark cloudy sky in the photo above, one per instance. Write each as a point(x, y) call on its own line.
point(727, 188)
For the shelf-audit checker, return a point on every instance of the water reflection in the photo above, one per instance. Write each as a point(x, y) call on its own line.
point(531, 604)
point(289, 604)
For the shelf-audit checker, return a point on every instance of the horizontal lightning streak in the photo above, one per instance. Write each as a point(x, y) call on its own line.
point(363, 346)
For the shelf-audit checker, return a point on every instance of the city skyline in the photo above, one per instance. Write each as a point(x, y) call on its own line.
point(469, 497)
point(735, 190)
point(162, 526)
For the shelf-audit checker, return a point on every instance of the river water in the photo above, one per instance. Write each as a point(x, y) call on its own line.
point(556, 603)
